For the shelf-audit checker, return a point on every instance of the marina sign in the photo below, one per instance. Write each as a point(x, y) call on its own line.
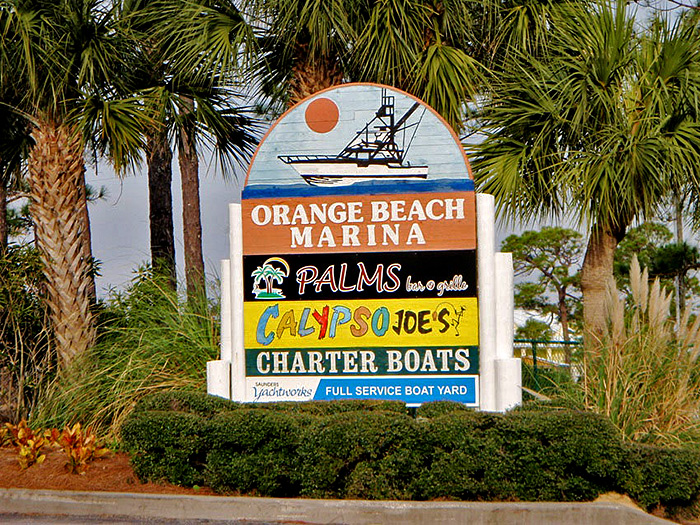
point(359, 262)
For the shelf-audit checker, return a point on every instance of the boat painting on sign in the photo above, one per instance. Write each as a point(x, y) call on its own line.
point(373, 154)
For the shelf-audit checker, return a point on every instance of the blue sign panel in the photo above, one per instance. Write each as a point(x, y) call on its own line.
point(411, 389)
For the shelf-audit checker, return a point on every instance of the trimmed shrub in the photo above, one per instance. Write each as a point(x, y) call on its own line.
point(255, 451)
point(168, 446)
point(202, 404)
point(559, 456)
point(329, 450)
point(465, 459)
point(187, 401)
point(327, 408)
point(662, 479)
point(368, 455)
point(533, 456)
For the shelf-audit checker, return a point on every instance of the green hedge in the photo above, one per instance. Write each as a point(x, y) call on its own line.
point(360, 455)
point(464, 460)
point(375, 450)
point(658, 477)
point(200, 404)
point(440, 408)
point(326, 408)
point(559, 455)
point(168, 446)
point(533, 456)
point(255, 451)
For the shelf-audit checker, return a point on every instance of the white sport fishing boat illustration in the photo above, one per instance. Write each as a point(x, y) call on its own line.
point(373, 154)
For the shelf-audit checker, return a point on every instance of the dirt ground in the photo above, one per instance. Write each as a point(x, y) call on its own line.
point(111, 474)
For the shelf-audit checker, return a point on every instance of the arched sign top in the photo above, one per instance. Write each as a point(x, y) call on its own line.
point(357, 138)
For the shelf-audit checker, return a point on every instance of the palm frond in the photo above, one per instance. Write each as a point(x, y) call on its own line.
point(115, 128)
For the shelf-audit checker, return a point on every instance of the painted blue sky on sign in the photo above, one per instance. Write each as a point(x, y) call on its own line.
point(433, 144)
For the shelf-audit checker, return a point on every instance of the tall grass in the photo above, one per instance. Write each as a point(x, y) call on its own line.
point(644, 373)
point(149, 340)
point(27, 362)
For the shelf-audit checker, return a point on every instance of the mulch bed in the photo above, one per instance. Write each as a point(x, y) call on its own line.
point(111, 474)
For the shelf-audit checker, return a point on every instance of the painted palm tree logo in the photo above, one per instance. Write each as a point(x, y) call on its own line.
point(272, 270)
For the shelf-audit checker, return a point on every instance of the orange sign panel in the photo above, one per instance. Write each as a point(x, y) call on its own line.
point(360, 223)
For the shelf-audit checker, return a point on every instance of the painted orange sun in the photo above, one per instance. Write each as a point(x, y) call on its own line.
point(321, 115)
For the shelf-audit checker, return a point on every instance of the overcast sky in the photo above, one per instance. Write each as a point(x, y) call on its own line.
point(120, 235)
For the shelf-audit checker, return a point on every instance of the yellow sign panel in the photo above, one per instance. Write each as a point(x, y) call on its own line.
point(367, 323)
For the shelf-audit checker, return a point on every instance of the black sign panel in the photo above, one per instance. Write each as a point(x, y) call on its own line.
point(360, 276)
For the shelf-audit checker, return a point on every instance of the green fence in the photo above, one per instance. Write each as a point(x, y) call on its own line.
point(544, 358)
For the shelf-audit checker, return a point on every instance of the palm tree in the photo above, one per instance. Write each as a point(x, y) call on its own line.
point(192, 102)
point(57, 53)
point(148, 76)
point(435, 50)
point(303, 45)
point(205, 120)
point(603, 126)
point(425, 47)
point(430, 48)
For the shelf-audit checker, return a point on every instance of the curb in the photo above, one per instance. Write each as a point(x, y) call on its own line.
point(276, 510)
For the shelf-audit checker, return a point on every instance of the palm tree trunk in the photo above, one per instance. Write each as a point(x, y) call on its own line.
point(160, 200)
point(596, 275)
point(191, 214)
point(56, 176)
